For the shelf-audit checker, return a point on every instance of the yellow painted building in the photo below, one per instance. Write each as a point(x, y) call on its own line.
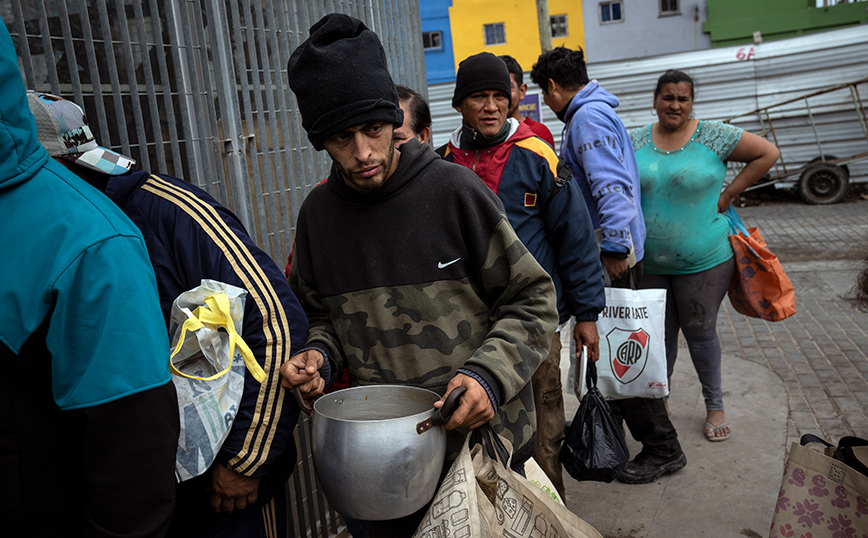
point(511, 27)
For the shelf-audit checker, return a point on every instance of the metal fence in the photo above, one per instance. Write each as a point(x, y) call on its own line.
point(198, 89)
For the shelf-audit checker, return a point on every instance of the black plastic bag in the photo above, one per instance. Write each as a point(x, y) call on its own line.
point(594, 448)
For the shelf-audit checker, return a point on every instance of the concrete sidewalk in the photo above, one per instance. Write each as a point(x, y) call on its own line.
point(727, 489)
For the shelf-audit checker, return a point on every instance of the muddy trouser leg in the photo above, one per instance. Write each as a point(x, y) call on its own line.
point(548, 398)
point(694, 300)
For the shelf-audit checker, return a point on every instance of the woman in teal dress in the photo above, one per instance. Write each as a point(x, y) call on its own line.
point(682, 166)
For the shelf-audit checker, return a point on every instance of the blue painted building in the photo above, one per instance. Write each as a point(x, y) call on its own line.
point(437, 40)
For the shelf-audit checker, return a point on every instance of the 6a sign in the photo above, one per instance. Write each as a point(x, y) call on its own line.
point(745, 53)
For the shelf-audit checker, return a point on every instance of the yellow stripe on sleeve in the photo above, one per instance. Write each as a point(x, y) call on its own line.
point(275, 325)
point(542, 149)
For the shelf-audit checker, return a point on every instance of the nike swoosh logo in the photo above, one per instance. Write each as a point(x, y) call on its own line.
point(441, 265)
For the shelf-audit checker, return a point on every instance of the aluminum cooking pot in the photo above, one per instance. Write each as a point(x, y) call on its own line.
point(378, 450)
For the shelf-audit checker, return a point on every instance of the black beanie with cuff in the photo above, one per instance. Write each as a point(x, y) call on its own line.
point(481, 72)
point(341, 79)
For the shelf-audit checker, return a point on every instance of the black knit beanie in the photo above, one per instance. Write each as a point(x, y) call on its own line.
point(340, 78)
point(480, 72)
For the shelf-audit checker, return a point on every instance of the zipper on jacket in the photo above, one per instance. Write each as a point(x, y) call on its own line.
point(475, 161)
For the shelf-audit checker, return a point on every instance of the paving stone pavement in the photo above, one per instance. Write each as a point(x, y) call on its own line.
point(821, 353)
point(801, 232)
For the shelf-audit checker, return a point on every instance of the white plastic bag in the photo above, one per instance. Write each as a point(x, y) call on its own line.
point(536, 476)
point(632, 346)
point(207, 362)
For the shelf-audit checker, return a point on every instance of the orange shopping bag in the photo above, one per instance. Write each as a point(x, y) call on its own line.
point(759, 288)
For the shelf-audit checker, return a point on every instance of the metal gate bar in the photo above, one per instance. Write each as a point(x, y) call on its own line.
point(198, 89)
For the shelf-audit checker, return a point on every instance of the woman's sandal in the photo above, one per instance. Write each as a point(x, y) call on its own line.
point(711, 432)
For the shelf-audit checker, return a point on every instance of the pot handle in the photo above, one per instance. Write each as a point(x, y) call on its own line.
point(303, 404)
point(441, 416)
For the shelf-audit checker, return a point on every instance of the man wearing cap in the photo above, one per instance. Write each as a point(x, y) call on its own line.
point(417, 124)
point(404, 263)
point(549, 217)
point(191, 237)
point(89, 420)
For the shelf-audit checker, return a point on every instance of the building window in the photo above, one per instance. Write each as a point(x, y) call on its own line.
point(495, 34)
point(611, 12)
point(432, 40)
point(669, 7)
point(559, 26)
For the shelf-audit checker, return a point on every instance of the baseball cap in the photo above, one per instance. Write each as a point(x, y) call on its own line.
point(62, 129)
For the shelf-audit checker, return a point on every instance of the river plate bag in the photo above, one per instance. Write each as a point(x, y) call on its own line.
point(632, 344)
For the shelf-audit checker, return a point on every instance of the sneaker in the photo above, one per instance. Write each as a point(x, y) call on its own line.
point(645, 468)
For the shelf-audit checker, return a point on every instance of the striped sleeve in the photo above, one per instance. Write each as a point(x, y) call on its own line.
point(211, 243)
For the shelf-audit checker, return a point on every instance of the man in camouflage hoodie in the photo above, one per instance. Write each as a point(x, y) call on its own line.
point(405, 264)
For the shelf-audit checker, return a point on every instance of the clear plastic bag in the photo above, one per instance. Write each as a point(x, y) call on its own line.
point(208, 361)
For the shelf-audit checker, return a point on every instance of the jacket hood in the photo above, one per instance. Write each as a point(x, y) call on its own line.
point(591, 92)
point(21, 155)
point(414, 157)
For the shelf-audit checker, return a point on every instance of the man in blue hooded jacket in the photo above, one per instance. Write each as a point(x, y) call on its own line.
point(89, 422)
point(596, 148)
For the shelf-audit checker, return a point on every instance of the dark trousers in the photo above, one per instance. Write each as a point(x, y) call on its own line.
point(649, 424)
point(646, 418)
point(193, 517)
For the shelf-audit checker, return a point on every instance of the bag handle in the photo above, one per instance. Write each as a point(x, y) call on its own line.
point(843, 452)
point(215, 313)
point(591, 377)
point(811, 438)
point(735, 225)
point(491, 443)
point(846, 454)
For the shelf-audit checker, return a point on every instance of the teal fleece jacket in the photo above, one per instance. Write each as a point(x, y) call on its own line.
point(89, 425)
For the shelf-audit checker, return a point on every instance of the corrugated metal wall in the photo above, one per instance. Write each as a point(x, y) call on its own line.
point(198, 89)
point(727, 85)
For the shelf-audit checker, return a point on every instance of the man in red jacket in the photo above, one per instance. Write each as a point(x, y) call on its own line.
point(548, 215)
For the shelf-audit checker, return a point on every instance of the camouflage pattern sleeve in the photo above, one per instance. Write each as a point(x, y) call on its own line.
point(523, 312)
point(322, 334)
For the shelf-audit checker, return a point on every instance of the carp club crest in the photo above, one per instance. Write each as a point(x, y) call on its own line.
point(628, 353)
